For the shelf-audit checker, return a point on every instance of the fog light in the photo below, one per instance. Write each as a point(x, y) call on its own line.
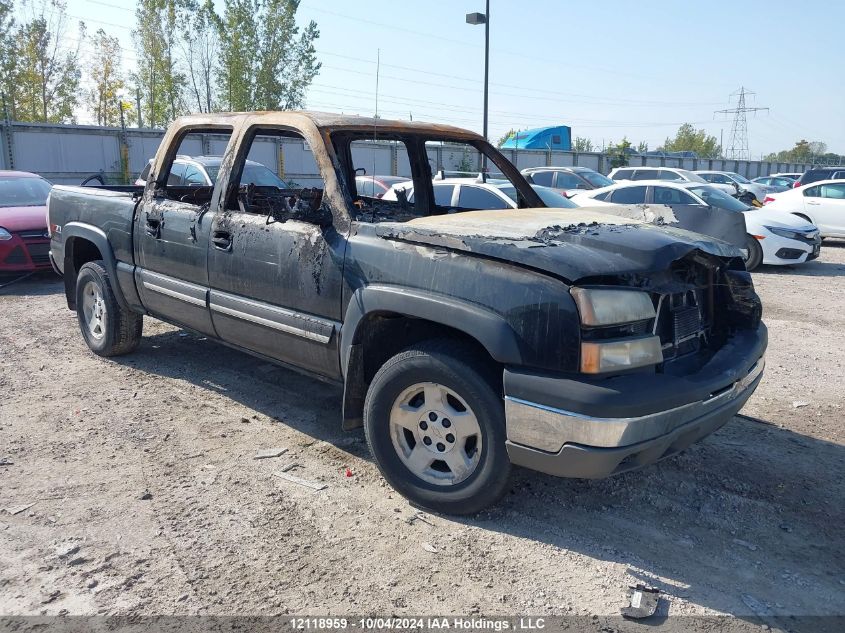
point(600, 357)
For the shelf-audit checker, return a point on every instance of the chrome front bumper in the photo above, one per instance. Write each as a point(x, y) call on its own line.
point(571, 444)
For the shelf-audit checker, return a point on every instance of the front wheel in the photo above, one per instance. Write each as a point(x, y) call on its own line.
point(755, 253)
point(436, 427)
point(108, 329)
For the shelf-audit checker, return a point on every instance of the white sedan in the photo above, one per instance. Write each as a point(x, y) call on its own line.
point(473, 193)
point(822, 203)
point(772, 237)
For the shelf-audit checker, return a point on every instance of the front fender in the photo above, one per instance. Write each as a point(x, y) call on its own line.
point(485, 326)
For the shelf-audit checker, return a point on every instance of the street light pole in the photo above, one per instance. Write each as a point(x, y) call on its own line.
point(476, 19)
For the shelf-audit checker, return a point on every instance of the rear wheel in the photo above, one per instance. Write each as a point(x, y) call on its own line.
point(108, 329)
point(436, 428)
point(755, 253)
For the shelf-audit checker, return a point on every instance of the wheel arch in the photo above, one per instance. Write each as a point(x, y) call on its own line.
point(382, 321)
point(84, 243)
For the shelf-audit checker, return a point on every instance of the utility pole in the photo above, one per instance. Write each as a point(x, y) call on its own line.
point(476, 19)
point(738, 149)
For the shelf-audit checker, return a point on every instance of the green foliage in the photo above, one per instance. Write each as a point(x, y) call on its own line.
point(201, 51)
point(8, 59)
point(688, 139)
point(106, 77)
point(804, 152)
point(466, 164)
point(582, 144)
point(618, 153)
point(642, 147)
point(265, 62)
point(159, 76)
point(39, 76)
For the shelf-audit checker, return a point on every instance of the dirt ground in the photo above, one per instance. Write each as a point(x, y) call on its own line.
point(133, 488)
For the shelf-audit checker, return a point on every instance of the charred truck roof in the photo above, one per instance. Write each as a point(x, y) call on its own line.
point(580, 342)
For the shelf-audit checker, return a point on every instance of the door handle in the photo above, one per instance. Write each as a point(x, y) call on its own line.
point(153, 227)
point(815, 204)
point(222, 240)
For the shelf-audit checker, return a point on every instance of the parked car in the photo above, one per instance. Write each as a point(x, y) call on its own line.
point(788, 174)
point(739, 182)
point(771, 238)
point(662, 173)
point(820, 173)
point(474, 193)
point(776, 184)
point(376, 186)
point(568, 179)
point(822, 203)
point(465, 342)
point(201, 171)
point(24, 238)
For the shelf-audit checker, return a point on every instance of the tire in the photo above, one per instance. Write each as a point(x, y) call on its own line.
point(108, 329)
point(463, 466)
point(755, 253)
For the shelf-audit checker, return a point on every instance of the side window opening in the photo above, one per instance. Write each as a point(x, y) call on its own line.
point(182, 179)
point(258, 185)
point(543, 178)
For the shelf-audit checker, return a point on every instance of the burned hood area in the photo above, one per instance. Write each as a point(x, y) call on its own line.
point(567, 244)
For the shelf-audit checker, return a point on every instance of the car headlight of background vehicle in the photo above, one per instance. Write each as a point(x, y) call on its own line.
point(611, 340)
point(787, 233)
point(4, 235)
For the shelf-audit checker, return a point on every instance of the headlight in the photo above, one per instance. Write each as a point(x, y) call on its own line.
point(787, 233)
point(4, 235)
point(600, 307)
point(598, 357)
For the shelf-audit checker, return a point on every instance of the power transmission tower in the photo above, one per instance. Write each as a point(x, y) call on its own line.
point(738, 149)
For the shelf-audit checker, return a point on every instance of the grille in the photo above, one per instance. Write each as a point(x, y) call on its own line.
point(686, 323)
point(39, 253)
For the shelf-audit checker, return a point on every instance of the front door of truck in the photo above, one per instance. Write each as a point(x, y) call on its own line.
point(275, 270)
point(172, 231)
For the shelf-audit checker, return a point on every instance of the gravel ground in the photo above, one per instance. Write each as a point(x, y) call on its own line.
point(133, 488)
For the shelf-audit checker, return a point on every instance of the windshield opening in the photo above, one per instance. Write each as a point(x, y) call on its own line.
point(738, 178)
point(596, 179)
point(23, 192)
point(718, 198)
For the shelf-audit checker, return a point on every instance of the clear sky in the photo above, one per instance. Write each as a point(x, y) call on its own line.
point(607, 68)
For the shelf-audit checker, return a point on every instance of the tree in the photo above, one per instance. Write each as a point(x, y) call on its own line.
point(265, 62)
point(688, 139)
point(106, 78)
point(8, 58)
point(642, 147)
point(46, 74)
point(618, 153)
point(582, 144)
point(159, 77)
point(199, 43)
point(804, 152)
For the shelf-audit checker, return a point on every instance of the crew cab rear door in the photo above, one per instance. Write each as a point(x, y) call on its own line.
point(172, 233)
point(275, 281)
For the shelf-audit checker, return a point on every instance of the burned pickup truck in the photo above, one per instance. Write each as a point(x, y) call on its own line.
point(564, 340)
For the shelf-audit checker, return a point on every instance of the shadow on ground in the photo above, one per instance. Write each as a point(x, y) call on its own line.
point(747, 522)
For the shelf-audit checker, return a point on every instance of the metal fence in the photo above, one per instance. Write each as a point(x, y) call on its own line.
point(69, 153)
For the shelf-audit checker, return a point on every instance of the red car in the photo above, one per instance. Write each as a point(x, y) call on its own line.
point(24, 240)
